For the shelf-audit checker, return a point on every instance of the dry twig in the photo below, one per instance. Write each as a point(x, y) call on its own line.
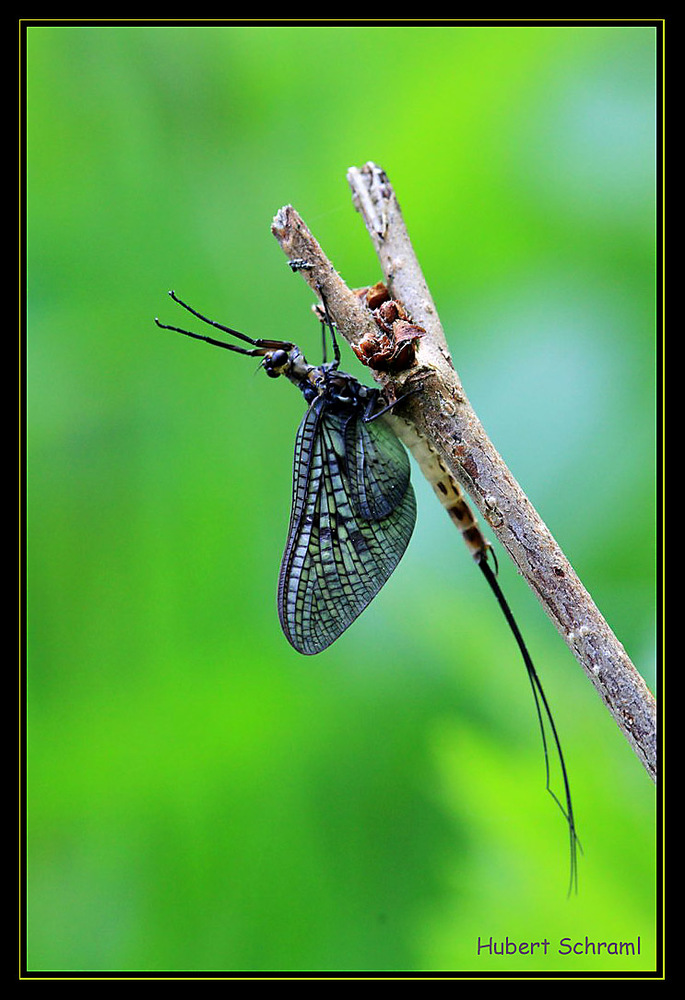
point(443, 415)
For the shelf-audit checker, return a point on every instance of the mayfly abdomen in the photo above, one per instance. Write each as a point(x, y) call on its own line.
point(446, 487)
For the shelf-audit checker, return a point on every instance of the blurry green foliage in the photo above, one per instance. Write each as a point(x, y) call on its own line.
point(201, 797)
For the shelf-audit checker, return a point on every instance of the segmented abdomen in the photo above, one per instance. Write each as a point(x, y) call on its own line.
point(446, 487)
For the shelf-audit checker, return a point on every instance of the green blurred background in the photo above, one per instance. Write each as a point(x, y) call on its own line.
point(201, 797)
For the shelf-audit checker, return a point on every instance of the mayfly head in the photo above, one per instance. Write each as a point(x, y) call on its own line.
point(285, 359)
point(276, 362)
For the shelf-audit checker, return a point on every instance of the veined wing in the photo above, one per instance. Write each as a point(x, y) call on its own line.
point(353, 515)
point(378, 468)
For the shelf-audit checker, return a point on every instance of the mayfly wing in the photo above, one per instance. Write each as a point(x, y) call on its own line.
point(378, 467)
point(349, 526)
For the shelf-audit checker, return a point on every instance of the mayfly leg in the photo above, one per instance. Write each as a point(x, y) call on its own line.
point(327, 321)
point(369, 415)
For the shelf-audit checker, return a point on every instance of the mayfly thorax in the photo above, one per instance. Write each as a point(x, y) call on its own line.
point(353, 506)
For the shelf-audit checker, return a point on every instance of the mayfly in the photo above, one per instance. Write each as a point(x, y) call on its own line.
point(353, 509)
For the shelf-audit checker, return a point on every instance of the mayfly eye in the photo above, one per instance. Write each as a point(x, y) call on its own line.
point(274, 362)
